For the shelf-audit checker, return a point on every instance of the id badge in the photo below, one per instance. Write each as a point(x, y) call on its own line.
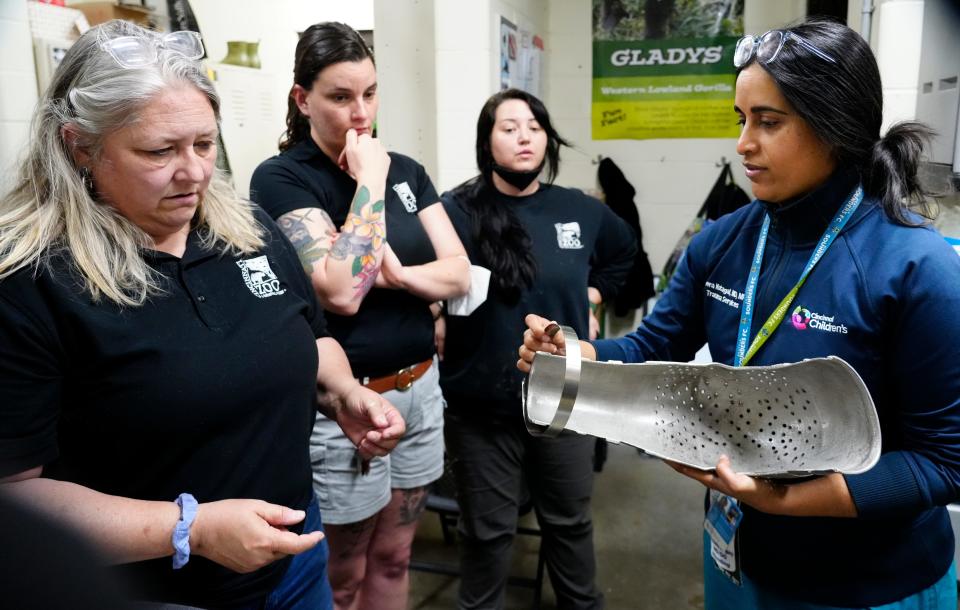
point(721, 523)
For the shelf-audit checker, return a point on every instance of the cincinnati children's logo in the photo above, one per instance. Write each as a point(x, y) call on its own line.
point(802, 319)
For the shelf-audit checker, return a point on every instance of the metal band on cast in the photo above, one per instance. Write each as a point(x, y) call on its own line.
point(568, 395)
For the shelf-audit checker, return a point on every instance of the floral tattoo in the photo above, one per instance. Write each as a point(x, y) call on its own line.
point(362, 236)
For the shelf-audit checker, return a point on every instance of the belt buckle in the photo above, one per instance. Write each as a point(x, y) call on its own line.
point(404, 379)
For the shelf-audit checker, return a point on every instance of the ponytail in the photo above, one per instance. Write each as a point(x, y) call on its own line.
point(891, 172)
point(298, 127)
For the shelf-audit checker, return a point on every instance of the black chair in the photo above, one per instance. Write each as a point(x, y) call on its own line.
point(443, 502)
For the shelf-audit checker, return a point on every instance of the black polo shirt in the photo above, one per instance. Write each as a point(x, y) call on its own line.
point(576, 242)
point(393, 328)
point(209, 388)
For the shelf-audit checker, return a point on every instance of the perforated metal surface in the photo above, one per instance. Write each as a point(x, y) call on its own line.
point(785, 420)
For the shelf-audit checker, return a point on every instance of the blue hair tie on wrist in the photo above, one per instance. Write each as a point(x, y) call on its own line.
point(181, 531)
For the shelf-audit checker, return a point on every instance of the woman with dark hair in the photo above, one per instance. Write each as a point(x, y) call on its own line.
point(377, 257)
point(837, 228)
point(546, 247)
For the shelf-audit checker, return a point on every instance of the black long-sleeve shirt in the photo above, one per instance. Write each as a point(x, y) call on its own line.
point(577, 242)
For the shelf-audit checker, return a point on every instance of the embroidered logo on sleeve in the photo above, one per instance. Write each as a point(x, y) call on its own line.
point(260, 278)
point(406, 196)
point(568, 235)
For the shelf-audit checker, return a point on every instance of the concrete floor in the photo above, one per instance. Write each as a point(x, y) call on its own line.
point(647, 534)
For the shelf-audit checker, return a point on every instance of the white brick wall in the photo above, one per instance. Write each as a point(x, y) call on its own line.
point(899, 27)
point(404, 46)
point(468, 56)
point(18, 85)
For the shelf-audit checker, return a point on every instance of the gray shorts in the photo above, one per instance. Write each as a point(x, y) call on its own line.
point(346, 496)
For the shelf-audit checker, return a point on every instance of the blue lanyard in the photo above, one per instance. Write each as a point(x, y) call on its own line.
point(743, 353)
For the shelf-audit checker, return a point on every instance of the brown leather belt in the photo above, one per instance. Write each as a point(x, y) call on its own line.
point(402, 380)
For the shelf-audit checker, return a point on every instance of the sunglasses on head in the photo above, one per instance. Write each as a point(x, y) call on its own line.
point(137, 52)
point(767, 47)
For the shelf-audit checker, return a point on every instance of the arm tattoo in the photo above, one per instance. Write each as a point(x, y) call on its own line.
point(362, 237)
point(309, 249)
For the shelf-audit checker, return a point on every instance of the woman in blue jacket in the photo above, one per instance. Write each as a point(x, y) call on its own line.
point(884, 295)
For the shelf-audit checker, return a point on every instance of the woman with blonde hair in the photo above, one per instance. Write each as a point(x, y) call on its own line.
point(160, 349)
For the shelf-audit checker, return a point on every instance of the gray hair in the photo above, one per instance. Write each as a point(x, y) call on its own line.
point(53, 207)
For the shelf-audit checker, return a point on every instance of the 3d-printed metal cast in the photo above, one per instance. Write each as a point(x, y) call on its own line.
point(780, 421)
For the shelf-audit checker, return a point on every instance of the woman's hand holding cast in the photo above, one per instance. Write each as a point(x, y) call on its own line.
point(762, 494)
point(537, 339)
point(826, 496)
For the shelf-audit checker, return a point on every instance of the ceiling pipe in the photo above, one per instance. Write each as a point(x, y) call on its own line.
point(865, 17)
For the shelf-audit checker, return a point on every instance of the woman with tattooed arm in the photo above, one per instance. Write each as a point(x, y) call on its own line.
point(378, 252)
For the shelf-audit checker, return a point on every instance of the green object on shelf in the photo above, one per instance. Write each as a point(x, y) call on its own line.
point(236, 53)
point(253, 54)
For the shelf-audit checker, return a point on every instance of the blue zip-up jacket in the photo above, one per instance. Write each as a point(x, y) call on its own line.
point(886, 298)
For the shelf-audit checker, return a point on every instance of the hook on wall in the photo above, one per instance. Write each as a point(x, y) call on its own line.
point(597, 160)
point(722, 162)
